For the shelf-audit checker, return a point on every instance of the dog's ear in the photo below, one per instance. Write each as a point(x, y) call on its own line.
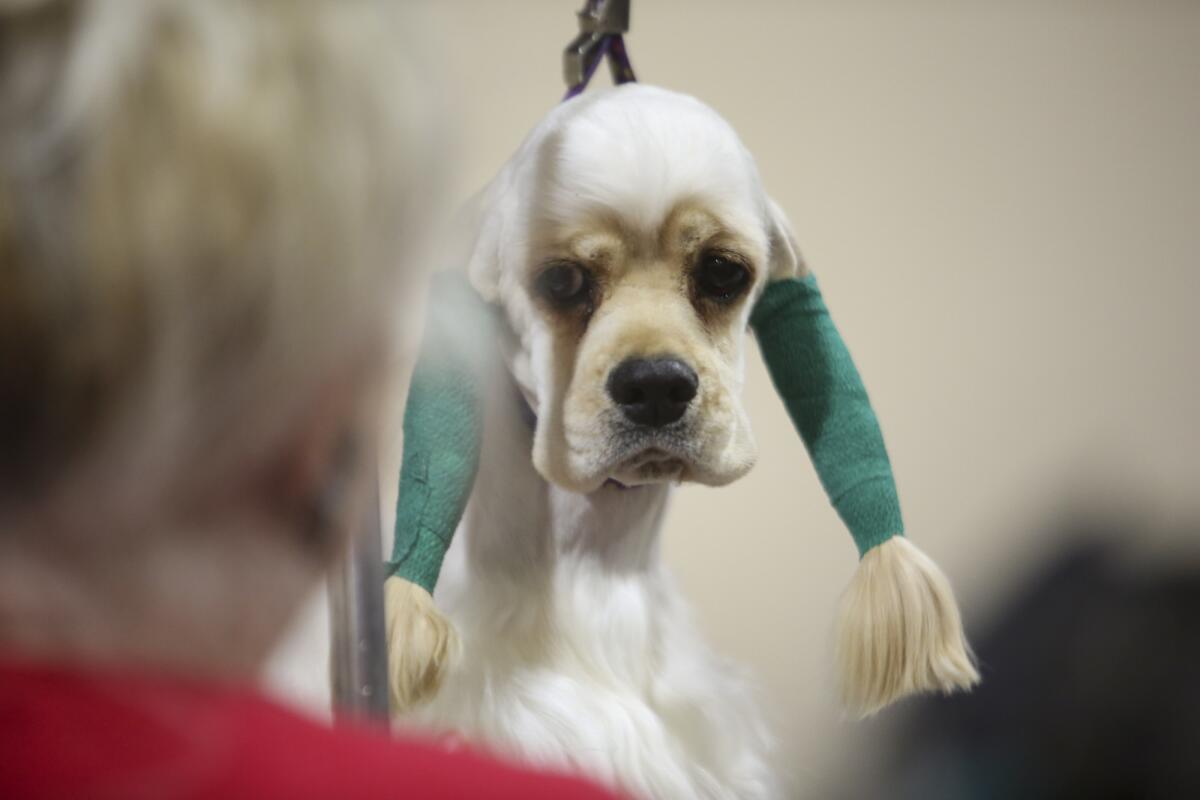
point(494, 214)
point(785, 258)
point(483, 258)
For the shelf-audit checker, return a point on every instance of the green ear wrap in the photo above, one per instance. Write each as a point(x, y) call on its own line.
point(816, 378)
point(899, 632)
point(443, 428)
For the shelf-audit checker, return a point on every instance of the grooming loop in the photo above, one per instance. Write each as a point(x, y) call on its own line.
point(602, 24)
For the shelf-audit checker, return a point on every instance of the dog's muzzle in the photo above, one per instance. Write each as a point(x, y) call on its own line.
point(653, 392)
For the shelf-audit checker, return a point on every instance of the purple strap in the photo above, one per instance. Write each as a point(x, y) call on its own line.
point(613, 46)
point(618, 61)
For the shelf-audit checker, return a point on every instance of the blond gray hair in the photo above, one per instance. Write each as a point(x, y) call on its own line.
point(203, 208)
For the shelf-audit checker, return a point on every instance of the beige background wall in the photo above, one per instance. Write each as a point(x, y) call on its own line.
point(1003, 203)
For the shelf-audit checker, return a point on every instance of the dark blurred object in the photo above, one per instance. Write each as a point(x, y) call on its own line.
point(1090, 690)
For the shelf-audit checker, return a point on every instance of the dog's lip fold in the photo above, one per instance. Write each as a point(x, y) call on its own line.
point(651, 454)
point(648, 465)
point(646, 456)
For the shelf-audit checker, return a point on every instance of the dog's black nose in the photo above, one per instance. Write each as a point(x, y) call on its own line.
point(653, 391)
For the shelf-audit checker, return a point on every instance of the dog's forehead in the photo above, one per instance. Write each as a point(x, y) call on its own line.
point(641, 153)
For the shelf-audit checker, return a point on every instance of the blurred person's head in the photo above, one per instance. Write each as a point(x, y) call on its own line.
point(1089, 687)
point(204, 207)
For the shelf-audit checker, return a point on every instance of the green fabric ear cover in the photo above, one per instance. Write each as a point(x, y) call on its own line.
point(825, 397)
point(443, 429)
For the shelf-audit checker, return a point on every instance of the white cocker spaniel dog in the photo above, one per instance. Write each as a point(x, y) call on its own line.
point(622, 249)
point(625, 242)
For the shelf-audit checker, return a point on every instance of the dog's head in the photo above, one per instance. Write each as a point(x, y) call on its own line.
point(627, 241)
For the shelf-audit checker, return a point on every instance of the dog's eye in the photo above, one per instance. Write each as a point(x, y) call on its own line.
point(720, 277)
point(564, 284)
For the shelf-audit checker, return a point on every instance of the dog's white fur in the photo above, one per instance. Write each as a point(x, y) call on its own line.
point(577, 649)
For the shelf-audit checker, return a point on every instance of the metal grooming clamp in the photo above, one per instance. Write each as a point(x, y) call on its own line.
point(601, 25)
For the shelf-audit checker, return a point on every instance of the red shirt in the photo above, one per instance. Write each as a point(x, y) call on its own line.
point(70, 733)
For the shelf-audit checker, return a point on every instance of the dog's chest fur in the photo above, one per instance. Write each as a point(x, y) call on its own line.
point(578, 651)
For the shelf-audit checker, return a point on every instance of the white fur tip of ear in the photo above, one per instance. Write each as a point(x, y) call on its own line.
point(900, 632)
point(421, 644)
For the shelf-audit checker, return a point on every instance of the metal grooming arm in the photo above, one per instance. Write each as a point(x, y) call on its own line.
point(358, 652)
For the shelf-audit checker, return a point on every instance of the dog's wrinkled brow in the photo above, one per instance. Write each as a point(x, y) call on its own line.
point(606, 246)
point(597, 248)
point(689, 228)
point(692, 229)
